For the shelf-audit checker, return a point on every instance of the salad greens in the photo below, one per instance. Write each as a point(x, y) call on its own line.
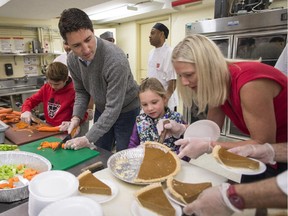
point(7, 147)
point(8, 171)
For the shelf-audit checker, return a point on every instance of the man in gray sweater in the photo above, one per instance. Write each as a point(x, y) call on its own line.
point(101, 70)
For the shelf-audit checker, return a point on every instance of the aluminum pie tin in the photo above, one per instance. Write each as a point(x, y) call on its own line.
point(31, 160)
point(125, 164)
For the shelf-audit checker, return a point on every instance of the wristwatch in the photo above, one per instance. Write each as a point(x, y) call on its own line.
point(235, 199)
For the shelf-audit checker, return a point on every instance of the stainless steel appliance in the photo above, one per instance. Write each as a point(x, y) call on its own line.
point(262, 34)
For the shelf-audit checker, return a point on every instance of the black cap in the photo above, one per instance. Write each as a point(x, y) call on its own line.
point(162, 27)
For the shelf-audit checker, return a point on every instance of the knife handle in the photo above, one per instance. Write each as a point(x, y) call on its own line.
point(164, 132)
point(94, 167)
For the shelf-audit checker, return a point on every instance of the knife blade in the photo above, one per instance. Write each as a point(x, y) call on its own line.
point(68, 137)
point(33, 120)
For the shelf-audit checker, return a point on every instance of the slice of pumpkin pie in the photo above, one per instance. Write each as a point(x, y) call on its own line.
point(233, 160)
point(158, 164)
point(185, 192)
point(153, 198)
point(89, 184)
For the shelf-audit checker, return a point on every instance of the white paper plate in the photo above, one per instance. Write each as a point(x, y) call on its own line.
point(53, 185)
point(170, 196)
point(245, 171)
point(103, 198)
point(138, 210)
point(203, 128)
point(73, 206)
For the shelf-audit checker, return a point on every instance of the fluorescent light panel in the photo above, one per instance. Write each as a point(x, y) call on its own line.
point(3, 2)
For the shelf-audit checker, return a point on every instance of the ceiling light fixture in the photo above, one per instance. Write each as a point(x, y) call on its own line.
point(133, 8)
point(3, 2)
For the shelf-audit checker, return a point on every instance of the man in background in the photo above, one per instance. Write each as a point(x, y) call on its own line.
point(160, 65)
point(108, 35)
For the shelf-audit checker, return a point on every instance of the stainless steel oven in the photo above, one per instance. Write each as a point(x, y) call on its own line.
point(251, 36)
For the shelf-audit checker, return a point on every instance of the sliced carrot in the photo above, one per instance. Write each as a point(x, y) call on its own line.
point(47, 144)
point(20, 167)
point(5, 185)
point(29, 173)
point(21, 125)
point(48, 129)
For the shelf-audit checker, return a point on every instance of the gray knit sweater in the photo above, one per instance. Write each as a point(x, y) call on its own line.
point(109, 81)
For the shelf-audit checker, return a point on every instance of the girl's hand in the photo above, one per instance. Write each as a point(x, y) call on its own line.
point(173, 128)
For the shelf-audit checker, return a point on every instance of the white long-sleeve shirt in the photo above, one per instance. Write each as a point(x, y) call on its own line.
point(160, 67)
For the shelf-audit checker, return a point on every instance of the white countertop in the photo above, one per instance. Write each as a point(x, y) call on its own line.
point(121, 203)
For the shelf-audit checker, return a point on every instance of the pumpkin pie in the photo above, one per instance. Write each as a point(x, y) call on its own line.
point(185, 192)
point(233, 160)
point(153, 198)
point(89, 184)
point(158, 163)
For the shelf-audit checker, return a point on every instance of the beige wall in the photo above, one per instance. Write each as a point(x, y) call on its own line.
point(128, 34)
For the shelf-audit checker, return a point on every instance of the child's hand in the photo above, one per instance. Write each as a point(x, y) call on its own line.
point(64, 126)
point(26, 117)
point(173, 128)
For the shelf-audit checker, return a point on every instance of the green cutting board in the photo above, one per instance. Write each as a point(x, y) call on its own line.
point(60, 159)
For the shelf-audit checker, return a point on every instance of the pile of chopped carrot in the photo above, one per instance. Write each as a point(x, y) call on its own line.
point(10, 183)
point(8, 115)
point(29, 173)
point(47, 144)
point(21, 125)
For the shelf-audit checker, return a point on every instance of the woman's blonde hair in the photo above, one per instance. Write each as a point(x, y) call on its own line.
point(153, 85)
point(57, 71)
point(211, 69)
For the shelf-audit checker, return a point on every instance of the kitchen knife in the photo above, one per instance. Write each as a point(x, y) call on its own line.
point(94, 167)
point(68, 137)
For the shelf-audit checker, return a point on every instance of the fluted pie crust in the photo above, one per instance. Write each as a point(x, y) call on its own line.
point(233, 160)
point(159, 163)
point(89, 184)
point(185, 192)
point(153, 198)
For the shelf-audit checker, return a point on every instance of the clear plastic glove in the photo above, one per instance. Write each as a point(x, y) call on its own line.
point(211, 201)
point(90, 114)
point(64, 126)
point(173, 128)
point(26, 117)
point(75, 121)
point(78, 143)
point(193, 147)
point(262, 152)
